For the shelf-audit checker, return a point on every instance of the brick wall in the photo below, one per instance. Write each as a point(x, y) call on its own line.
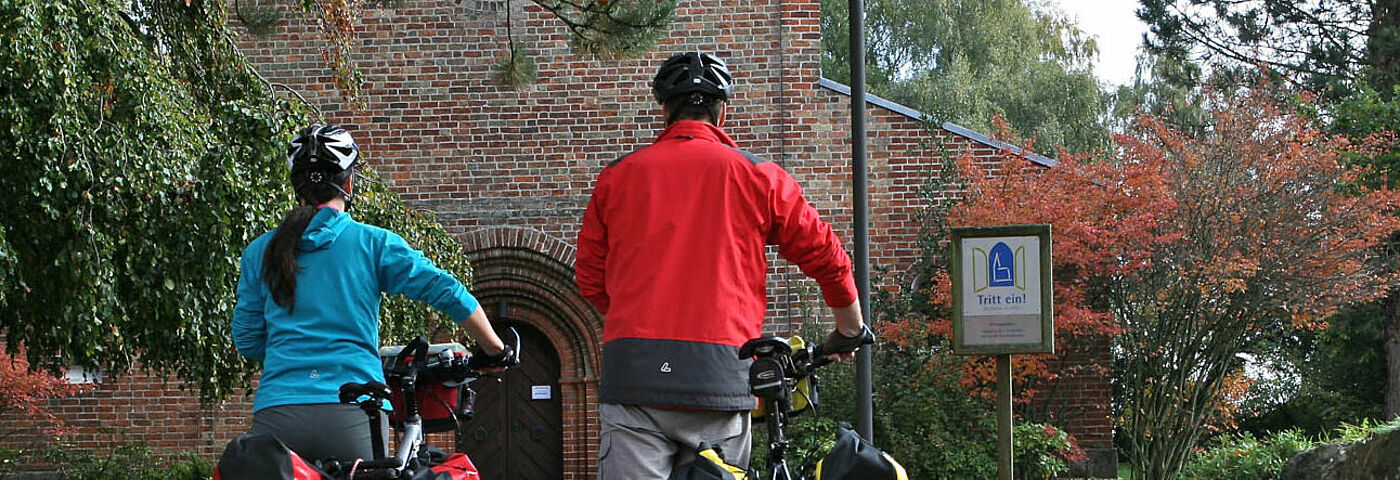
point(509, 171)
point(134, 408)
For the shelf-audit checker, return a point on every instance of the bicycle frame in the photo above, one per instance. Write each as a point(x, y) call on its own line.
point(404, 369)
point(409, 368)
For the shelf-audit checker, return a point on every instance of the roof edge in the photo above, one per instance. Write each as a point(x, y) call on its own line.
point(951, 127)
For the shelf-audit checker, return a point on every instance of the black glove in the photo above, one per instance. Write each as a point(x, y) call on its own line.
point(838, 343)
point(508, 357)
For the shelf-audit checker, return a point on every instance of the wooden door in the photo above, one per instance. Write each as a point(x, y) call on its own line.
point(517, 433)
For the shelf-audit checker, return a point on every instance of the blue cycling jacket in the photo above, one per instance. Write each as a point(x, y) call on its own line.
point(332, 334)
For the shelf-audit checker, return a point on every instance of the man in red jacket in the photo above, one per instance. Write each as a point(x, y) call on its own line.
point(671, 252)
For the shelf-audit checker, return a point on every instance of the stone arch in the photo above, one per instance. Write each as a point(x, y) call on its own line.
point(529, 274)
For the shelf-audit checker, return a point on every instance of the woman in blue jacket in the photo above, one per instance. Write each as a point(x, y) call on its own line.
point(308, 303)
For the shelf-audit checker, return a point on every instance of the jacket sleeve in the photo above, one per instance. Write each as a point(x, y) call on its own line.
point(249, 322)
point(590, 264)
point(404, 270)
point(805, 239)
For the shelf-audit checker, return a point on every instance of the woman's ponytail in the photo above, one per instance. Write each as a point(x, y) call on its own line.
point(279, 267)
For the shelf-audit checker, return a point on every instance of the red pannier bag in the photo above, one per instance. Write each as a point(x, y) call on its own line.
point(260, 456)
point(447, 467)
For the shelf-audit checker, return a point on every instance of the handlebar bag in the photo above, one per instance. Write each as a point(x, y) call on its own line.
point(261, 456)
point(439, 405)
point(855, 459)
point(803, 395)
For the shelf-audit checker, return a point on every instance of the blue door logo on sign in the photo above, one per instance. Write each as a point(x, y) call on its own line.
point(1001, 266)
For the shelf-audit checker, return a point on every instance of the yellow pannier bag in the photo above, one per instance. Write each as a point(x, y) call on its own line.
point(709, 466)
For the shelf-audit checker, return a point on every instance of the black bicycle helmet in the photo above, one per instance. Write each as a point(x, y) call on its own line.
point(692, 72)
point(327, 148)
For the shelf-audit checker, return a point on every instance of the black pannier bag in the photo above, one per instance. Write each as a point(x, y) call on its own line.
point(855, 459)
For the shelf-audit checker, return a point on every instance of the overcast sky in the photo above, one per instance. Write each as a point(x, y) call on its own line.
point(1119, 34)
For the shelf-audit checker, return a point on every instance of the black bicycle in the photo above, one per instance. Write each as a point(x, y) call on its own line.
point(780, 369)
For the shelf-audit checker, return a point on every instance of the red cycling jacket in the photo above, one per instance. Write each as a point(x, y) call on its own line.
point(672, 253)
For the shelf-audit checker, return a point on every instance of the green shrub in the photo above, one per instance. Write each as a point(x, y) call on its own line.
point(1353, 433)
point(1243, 456)
point(130, 461)
point(1043, 452)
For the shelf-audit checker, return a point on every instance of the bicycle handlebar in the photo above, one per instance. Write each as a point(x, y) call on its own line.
point(806, 360)
point(838, 343)
point(509, 356)
point(418, 360)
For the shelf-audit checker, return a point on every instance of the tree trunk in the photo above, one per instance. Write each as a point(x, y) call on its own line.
point(1392, 357)
point(1383, 52)
point(1383, 49)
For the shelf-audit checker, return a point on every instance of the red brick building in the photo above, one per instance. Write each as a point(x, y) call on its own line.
point(509, 172)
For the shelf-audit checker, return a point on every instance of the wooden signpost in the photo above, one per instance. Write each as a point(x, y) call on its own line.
point(1003, 304)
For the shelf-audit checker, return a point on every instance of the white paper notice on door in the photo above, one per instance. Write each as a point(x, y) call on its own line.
point(540, 392)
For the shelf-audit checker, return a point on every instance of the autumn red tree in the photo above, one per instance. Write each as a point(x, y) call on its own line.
point(23, 394)
point(1272, 230)
point(1101, 215)
point(1189, 249)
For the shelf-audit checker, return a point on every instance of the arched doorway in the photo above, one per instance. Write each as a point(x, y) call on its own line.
point(518, 429)
point(525, 276)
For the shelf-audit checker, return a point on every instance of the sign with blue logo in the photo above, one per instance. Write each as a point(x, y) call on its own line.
point(1001, 290)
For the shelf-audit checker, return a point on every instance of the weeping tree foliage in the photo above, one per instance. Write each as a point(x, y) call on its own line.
point(968, 62)
point(143, 154)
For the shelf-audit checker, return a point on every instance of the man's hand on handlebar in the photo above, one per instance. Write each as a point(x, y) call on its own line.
point(840, 346)
point(850, 327)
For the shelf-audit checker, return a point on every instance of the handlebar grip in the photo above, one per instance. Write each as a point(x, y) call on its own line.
point(818, 358)
point(838, 343)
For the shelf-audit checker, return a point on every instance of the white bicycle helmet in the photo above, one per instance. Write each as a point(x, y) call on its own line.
point(328, 148)
point(322, 154)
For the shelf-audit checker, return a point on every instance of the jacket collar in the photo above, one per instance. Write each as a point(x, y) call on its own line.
point(695, 129)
